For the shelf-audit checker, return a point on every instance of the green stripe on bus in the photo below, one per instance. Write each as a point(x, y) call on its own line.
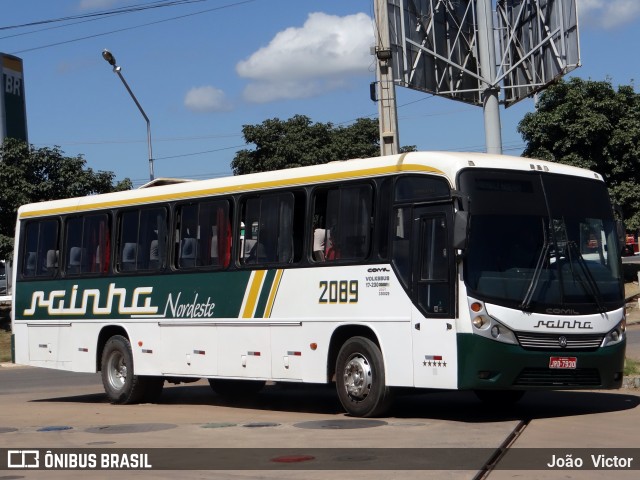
point(264, 293)
point(190, 296)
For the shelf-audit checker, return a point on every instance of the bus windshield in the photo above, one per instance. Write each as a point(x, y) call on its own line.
point(542, 242)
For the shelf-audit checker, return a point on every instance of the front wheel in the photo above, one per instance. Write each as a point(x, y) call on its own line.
point(360, 378)
point(120, 384)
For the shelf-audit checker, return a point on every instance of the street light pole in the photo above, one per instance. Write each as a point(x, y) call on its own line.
point(111, 60)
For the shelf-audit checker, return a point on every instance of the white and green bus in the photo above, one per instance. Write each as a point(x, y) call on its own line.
point(427, 270)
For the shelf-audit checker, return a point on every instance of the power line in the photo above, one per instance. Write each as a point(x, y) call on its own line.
point(155, 140)
point(507, 146)
point(369, 115)
point(232, 135)
point(56, 27)
point(115, 11)
point(124, 29)
point(199, 153)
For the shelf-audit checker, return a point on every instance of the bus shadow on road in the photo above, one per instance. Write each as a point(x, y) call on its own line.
point(303, 398)
point(465, 406)
point(293, 398)
point(86, 398)
point(448, 405)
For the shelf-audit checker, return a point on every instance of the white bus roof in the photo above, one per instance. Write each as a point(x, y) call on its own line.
point(445, 164)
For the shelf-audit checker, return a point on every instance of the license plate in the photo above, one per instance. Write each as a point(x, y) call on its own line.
point(563, 362)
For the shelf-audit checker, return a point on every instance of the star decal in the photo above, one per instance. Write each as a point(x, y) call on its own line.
point(434, 363)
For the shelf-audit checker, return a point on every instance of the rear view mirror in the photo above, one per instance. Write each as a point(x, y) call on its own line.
point(460, 230)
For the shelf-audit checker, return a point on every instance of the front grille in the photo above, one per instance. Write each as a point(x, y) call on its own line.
point(551, 341)
point(544, 377)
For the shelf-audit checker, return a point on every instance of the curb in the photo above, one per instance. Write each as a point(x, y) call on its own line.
point(631, 382)
point(12, 365)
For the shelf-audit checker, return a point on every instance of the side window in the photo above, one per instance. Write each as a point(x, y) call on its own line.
point(41, 250)
point(413, 188)
point(73, 246)
point(142, 239)
point(87, 245)
point(420, 250)
point(267, 229)
point(433, 285)
point(203, 235)
point(342, 223)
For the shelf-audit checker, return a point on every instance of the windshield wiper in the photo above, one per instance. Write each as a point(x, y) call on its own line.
point(590, 285)
point(526, 301)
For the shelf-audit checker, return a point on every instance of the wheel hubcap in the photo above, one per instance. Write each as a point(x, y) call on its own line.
point(117, 371)
point(357, 377)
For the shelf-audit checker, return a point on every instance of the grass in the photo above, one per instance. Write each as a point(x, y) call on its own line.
point(631, 367)
point(5, 346)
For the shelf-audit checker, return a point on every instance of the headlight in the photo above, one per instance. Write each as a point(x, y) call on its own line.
point(616, 335)
point(479, 321)
point(488, 326)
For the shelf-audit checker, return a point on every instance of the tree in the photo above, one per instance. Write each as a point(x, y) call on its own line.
point(588, 124)
point(298, 142)
point(29, 174)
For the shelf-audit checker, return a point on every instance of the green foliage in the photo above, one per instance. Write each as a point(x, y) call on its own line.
point(298, 142)
point(631, 367)
point(588, 124)
point(29, 174)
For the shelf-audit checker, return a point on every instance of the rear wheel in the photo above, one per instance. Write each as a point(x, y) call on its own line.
point(120, 384)
point(360, 379)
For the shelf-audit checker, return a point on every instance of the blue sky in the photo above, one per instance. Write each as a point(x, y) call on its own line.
point(227, 63)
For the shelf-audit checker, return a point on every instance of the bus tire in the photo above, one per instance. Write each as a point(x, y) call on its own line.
point(236, 389)
point(499, 398)
point(360, 379)
point(120, 384)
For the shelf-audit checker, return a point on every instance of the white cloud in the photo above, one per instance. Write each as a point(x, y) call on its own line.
point(206, 99)
point(607, 13)
point(311, 60)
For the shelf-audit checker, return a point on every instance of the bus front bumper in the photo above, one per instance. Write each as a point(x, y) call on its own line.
point(484, 364)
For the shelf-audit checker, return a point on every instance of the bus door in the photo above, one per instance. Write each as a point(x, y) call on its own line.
point(433, 295)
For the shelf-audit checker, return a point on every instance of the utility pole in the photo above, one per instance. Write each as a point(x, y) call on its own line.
point(388, 120)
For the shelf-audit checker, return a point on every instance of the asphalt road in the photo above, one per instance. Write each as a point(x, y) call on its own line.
point(51, 409)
